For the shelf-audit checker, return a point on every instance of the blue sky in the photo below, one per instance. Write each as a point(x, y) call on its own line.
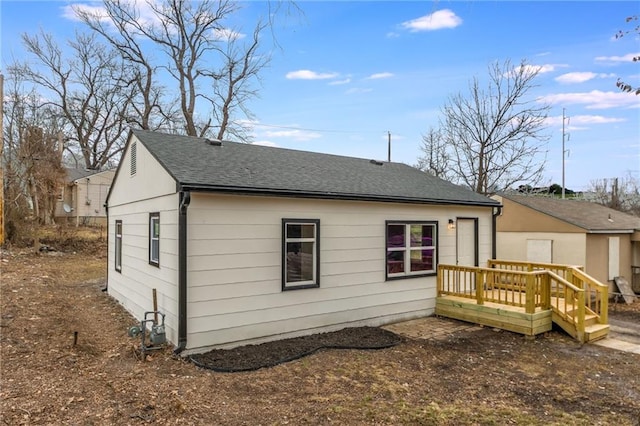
point(346, 73)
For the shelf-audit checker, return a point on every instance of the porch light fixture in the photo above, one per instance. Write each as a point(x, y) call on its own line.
point(452, 224)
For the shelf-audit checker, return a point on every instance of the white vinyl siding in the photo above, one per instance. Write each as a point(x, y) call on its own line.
point(235, 267)
point(133, 288)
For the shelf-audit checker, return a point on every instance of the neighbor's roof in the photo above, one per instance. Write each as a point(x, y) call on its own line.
point(590, 216)
point(238, 167)
point(74, 174)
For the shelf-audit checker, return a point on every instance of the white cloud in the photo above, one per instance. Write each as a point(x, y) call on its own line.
point(580, 77)
point(146, 15)
point(595, 99)
point(227, 34)
point(339, 82)
point(530, 69)
point(380, 75)
point(541, 69)
point(310, 75)
point(392, 34)
point(436, 21)
point(265, 143)
point(576, 120)
point(626, 58)
point(295, 134)
point(69, 11)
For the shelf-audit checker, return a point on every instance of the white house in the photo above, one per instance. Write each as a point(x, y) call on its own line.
point(247, 243)
point(82, 196)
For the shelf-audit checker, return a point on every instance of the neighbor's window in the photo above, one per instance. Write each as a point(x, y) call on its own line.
point(301, 253)
point(118, 251)
point(154, 239)
point(411, 248)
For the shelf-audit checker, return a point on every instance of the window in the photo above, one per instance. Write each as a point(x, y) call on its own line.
point(301, 253)
point(118, 251)
point(134, 158)
point(154, 239)
point(411, 249)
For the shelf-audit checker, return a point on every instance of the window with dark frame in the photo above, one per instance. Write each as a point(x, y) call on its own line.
point(410, 249)
point(118, 246)
point(154, 239)
point(300, 253)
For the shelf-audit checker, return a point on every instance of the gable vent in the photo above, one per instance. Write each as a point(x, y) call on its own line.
point(134, 159)
point(376, 162)
point(214, 142)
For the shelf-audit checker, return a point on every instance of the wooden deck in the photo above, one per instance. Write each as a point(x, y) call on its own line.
point(505, 317)
point(524, 298)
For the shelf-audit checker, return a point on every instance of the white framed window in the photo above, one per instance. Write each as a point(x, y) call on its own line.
point(300, 253)
point(411, 249)
point(154, 239)
point(118, 246)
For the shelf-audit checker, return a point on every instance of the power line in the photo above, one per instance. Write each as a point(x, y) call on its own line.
point(315, 130)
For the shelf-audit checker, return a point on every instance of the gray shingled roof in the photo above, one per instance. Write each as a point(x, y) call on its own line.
point(74, 174)
point(238, 167)
point(590, 216)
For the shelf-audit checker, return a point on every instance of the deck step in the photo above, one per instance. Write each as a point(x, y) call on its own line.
point(596, 332)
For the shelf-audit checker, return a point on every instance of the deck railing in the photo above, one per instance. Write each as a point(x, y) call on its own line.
point(566, 289)
point(507, 287)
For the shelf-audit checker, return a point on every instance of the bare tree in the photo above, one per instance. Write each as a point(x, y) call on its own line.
point(41, 154)
point(84, 89)
point(495, 136)
point(116, 23)
point(212, 69)
point(618, 193)
point(31, 159)
point(635, 31)
point(436, 159)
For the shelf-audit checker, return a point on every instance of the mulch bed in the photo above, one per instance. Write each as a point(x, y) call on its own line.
point(269, 354)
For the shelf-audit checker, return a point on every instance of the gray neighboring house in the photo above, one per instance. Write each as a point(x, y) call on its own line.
point(246, 243)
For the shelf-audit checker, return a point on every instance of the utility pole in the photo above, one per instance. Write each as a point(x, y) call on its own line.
point(389, 147)
point(1, 161)
point(563, 151)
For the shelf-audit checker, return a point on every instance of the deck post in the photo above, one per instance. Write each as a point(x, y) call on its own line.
point(546, 291)
point(479, 288)
point(604, 306)
point(439, 280)
point(580, 323)
point(530, 294)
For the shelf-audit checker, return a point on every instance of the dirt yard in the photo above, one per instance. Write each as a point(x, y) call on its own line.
point(483, 377)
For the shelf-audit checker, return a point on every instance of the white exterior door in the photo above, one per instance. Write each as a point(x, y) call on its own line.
point(466, 243)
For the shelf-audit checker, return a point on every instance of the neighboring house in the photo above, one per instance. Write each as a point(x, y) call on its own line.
point(82, 197)
point(544, 229)
point(247, 243)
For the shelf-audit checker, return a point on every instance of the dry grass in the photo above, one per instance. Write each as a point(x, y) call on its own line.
point(473, 378)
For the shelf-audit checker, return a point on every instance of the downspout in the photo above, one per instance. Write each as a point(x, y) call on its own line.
point(496, 212)
point(106, 210)
point(185, 199)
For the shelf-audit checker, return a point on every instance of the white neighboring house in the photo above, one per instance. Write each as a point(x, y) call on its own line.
point(83, 196)
point(247, 243)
